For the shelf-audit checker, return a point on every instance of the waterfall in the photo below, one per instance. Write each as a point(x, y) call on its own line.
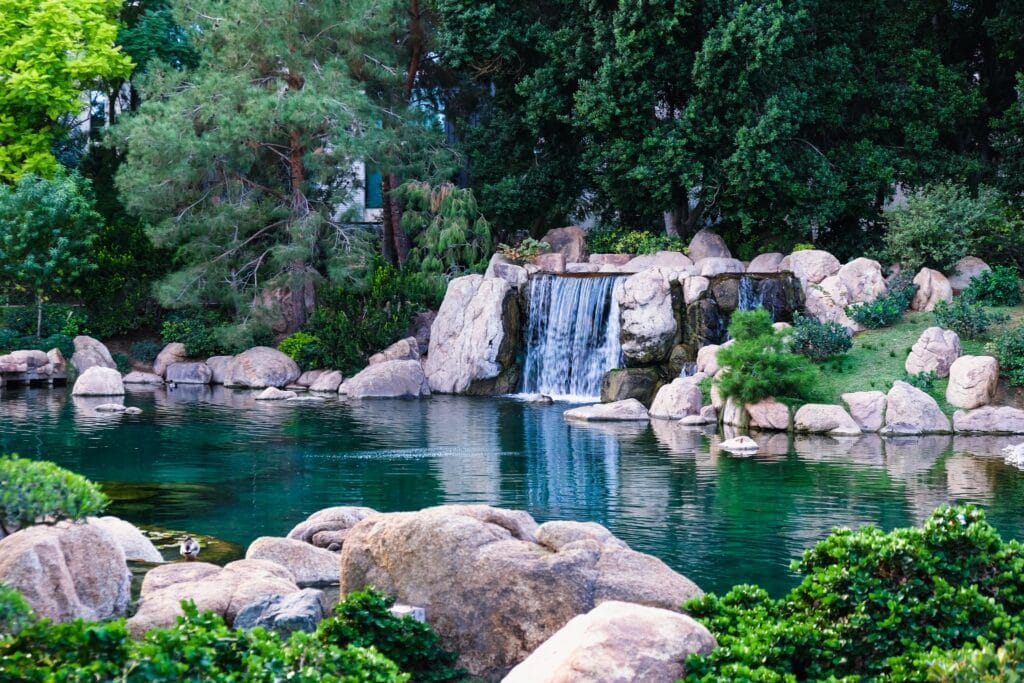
point(751, 295)
point(572, 336)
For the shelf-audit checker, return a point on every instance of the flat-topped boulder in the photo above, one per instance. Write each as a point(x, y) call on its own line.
point(990, 420)
point(261, 367)
point(647, 316)
point(91, 353)
point(911, 411)
point(310, 565)
point(99, 381)
point(494, 584)
point(972, 381)
point(934, 351)
point(628, 410)
point(390, 379)
point(188, 373)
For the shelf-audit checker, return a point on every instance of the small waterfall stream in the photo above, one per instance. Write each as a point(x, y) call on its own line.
point(572, 336)
point(751, 296)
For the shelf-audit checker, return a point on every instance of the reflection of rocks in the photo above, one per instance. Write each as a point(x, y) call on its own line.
point(969, 478)
point(983, 446)
point(676, 437)
point(863, 450)
point(910, 455)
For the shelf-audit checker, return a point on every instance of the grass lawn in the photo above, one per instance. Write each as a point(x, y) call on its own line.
point(878, 356)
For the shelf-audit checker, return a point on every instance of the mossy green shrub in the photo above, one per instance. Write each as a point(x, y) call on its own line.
point(968, 319)
point(197, 329)
point(15, 613)
point(36, 490)
point(301, 347)
point(12, 340)
point(361, 643)
point(803, 246)
point(1008, 349)
point(997, 287)
point(922, 380)
point(818, 340)
point(57, 319)
point(524, 251)
point(872, 606)
point(758, 363)
point(622, 240)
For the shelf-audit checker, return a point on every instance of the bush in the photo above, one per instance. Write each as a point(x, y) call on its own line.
point(803, 246)
point(301, 347)
point(757, 363)
point(35, 490)
point(872, 605)
point(967, 319)
point(197, 329)
point(524, 251)
point(1008, 349)
point(818, 340)
point(620, 240)
point(123, 363)
point(997, 287)
point(922, 380)
point(888, 309)
point(60, 319)
point(12, 340)
point(145, 350)
point(15, 612)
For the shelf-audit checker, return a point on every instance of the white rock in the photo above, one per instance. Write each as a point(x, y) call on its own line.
point(99, 381)
point(712, 266)
point(863, 280)
point(765, 263)
point(142, 378)
point(867, 408)
point(327, 382)
point(707, 359)
point(91, 353)
point(403, 349)
point(391, 379)
point(909, 410)
point(647, 317)
point(629, 410)
point(707, 244)
point(818, 418)
point(932, 287)
point(677, 399)
point(812, 266)
point(133, 542)
point(990, 420)
point(694, 288)
point(827, 302)
point(934, 351)
point(965, 269)
point(739, 444)
point(972, 381)
point(274, 394)
point(1015, 455)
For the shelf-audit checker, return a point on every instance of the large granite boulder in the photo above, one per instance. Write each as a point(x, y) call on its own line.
point(24, 361)
point(90, 353)
point(707, 244)
point(765, 263)
point(222, 591)
point(908, 410)
point(990, 420)
point(711, 266)
point(328, 382)
point(821, 418)
point(501, 267)
point(694, 288)
point(867, 408)
point(172, 353)
point(474, 338)
point(623, 383)
point(628, 410)
point(261, 367)
point(403, 349)
point(133, 542)
point(328, 527)
point(570, 242)
point(188, 373)
point(494, 584)
point(707, 359)
point(285, 614)
point(932, 287)
point(811, 266)
point(616, 642)
point(310, 565)
point(136, 377)
point(827, 301)
point(972, 381)
point(965, 269)
point(671, 260)
point(99, 381)
point(219, 368)
point(678, 399)
point(548, 263)
point(768, 415)
point(67, 571)
point(934, 351)
point(647, 317)
point(307, 378)
point(863, 280)
point(390, 379)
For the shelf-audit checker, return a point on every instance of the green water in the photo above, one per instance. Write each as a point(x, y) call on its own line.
point(219, 463)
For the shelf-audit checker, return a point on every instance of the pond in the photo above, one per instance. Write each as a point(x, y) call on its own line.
point(217, 462)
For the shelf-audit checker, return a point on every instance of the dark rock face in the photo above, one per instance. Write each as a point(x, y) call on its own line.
point(705, 324)
point(284, 614)
point(639, 383)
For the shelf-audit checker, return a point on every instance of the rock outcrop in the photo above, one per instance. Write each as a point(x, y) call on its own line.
point(390, 379)
point(261, 367)
point(972, 381)
point(99, 381)
point(647, 316)
point(990, 420)
point(934, 351)
point(909, 410)
point(629, 410)
point(310, 565)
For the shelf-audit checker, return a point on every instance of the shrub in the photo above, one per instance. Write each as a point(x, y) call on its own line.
point(818, 340)
point(145, 350)
point(872, 605)
point(303, 348)
point(922, 380)
point(36, 490)
point(15, 613)
point(966, 318)
point(450, 233)
point(197, 329)
point(121, 360)
point(621, 240)
point(997, 287)
point(11, 340)
point(524, 251)
point(57, 319)
point(887, 309)
point(757, 363)
point(803, 246)
point(1008, 349)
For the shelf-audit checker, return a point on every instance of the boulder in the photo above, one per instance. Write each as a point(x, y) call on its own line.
point(172, 353)
point(307, 378)
point(110, 408)
point(328, 382)
point(133, 542)
point(768, 415)
point(261, 367)
point(502, 268)
point(222, 591)
point(827, 302)
point(474, 338)
point(420, 328)
point(219, 368)
point(908, 410)
point(712, 266)
point(99, 381)
point(582, 268)
point(330, 525)
point(623, 383)
point(812, 266)
point(934, 351)
point(707, 244)
point(765, 263)
point(694, 288)
point(284, 614)
point(678, 399)
point(990, 420)
point(629, 410)
point(932, 287)
point(966, 268)
point(616, 642)
point(274, 394)
point(863, 280)
point(707, 359)
point(67, 571)
point(867, 408)
point(570, 242)
point(390, 379)
point(972, 381)
point(819, 418)
point(91, 353)
point(647, 317)
point(136, 377)
point(403, 349)
point(549, 263)
point(188, 373)
point(57, 362)
point(310, 565)
point(23, 361)
point(671, 260)
point(494, 584)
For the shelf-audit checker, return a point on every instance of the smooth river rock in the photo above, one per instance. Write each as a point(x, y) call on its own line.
point(677, 399)
point(261, 367)
point(628, 410)
point(330, 526)
point(934, 351)
point(909, 410)
point(972, 381)
point(812, 266)
point(647, 316)
point(310, 565)
point(390, 379)
point(707, 244)
point(821, 418)
point(136, 377)
point(867, 408)
point(133, 542)
point(327, 383)
point(403, 349)
point(99, 381)
point(494, 584)
point(274, 394)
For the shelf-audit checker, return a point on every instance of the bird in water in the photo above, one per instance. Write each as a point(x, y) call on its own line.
point(189, 548)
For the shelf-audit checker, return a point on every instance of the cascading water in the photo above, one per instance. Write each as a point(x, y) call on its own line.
point(572, 336)
point(750, 296)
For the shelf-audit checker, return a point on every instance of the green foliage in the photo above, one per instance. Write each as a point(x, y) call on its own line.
point(803, 246)
point(1008, 349)
point(620, 240)
point(887, 309)
point(758, 365)
point(818, 340)
point(57, 319)
point(49, 53)
point(197, 329)
point(985, 664)
point(922, 380)
point(363, 619)
point(301, 347)
point(145, 350)
point(966, 318)
point(15, 612)
point(122, 361)
point(997, 287)
point(524, 251)
point(34, 491)
point(450, 233)
point(882, 606)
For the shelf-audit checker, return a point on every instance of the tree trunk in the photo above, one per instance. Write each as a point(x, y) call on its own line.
point(388, 241)
point(39, 314)
point(671, 223)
